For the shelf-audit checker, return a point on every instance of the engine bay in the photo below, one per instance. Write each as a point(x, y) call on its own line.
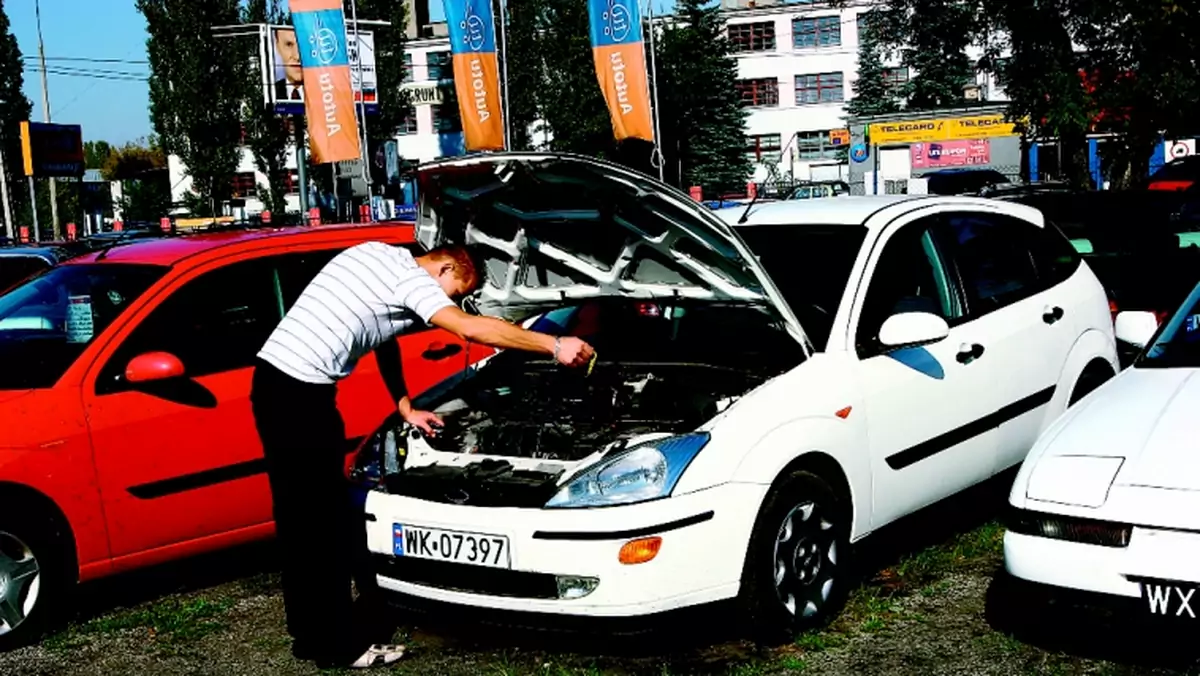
point(518, 423)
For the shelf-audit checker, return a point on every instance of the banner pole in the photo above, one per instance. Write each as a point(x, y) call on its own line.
point(504, 71)
point(301, 166)
point(362, 99)
point(657, 157)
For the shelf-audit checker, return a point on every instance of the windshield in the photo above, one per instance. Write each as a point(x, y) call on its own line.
point(1178, 343)
point(811, 265)
point(47, 322)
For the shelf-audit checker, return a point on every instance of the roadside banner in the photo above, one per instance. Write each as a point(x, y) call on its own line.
point(472, 29)
point(328, 93)
point(617, 47)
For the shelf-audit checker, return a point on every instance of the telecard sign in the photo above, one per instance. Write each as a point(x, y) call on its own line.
point(52, 149)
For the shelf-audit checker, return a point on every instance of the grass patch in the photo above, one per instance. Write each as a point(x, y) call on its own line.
point(815, 642)
point(977, 546)
point(793, 664)
point(171, 619)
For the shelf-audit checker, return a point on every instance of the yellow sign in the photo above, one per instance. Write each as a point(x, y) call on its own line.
point(839, 137)
point(947, 129)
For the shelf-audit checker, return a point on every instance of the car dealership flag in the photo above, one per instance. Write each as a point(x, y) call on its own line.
point(472, 31)
point(328, 95)
point(617, 47)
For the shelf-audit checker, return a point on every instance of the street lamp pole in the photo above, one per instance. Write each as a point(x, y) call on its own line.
point(45, 118)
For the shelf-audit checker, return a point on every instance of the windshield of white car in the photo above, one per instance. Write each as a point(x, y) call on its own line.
point(48, 321)
point(1178, 343)
point(810, 265)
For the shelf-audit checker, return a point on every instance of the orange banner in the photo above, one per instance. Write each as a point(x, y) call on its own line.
point(477, 84)
point(621, 70)
point(328, 94)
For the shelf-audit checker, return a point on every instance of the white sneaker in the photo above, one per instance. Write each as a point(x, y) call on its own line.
point(379, 655)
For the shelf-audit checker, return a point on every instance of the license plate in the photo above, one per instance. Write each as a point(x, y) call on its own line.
point(1171, 599)
point(477, 549)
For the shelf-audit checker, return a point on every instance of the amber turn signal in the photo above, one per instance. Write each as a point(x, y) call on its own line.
point(640, 550)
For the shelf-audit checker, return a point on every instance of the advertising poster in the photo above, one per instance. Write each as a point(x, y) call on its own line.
point(329, 105)
point(472, 31)
point(950, 154)
point(620, 57)
point(286, 74)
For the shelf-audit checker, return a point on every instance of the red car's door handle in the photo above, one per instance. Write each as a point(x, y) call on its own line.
point(439, 351)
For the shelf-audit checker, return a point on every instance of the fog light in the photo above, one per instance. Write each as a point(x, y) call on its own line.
point(640, 550)
point(573, 587)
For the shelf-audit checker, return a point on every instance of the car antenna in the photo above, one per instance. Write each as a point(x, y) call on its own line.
point(746, 214)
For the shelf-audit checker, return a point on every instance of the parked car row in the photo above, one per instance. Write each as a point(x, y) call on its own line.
point(774, 384)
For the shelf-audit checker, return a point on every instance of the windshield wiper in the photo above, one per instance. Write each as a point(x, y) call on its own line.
point(746, 214)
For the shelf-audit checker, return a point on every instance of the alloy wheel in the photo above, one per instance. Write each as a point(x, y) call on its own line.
point(806, 558)
point(20, 582)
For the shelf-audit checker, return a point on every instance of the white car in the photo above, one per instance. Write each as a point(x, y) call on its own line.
point(1108, 501)
point(762, 397)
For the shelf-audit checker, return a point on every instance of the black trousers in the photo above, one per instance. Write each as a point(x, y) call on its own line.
point(321, 532)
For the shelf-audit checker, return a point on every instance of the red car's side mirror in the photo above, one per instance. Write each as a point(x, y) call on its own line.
point(152, 367)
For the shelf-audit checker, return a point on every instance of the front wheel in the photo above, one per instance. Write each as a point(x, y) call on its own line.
point(795, 577)
point(33, 575)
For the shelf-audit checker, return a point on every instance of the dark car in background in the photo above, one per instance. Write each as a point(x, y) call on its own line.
point(20, 262)
point(1144, 245)
point(963, 181)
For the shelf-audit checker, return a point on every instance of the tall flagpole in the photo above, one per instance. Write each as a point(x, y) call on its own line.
point(657, 157)
point(504, 71)
point(362, 100)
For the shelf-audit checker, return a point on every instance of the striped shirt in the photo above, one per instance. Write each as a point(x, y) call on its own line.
point(364, 296)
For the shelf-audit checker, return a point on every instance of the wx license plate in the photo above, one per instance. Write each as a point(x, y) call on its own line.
point(477, 549)
point(1171, 599)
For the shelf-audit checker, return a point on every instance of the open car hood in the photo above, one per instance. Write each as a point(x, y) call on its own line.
point(557, 228)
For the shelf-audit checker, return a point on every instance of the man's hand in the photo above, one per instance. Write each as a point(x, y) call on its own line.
point(573, 352)
point(422, 420)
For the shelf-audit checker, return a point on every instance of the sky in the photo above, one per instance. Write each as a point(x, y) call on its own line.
point(87, 43)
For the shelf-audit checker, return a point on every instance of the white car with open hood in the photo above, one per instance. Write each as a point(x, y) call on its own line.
point(1108, 501)
point(771, 386)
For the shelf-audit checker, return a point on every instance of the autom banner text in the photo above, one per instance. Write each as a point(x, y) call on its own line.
point(328, 95)
point(617, 46)
point(472, 31)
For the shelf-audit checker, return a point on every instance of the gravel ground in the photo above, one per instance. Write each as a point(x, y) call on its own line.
point(930, 603)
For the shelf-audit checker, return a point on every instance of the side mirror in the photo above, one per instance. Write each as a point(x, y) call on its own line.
point(912, 329)
point(153, 367)
point(1136, 327)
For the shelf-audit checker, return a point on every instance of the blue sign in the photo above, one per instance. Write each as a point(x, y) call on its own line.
point(858, 152)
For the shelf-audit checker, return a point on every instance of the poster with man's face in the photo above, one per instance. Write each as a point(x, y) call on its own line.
point(289, 76)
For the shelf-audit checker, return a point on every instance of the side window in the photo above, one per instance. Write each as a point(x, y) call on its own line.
point(909, 277)
point(1055, 256)
point(993, 260)
point(297, 270)
point(214, 323)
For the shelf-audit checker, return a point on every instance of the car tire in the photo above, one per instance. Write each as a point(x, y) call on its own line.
point(1092, 378)
point(795, 577)
point(36, 572)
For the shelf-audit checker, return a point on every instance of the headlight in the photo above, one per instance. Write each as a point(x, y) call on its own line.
point(644, 472)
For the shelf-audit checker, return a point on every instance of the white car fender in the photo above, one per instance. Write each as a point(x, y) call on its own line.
point(1090, 346)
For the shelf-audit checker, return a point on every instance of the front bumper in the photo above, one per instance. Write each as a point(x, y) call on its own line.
point(1152, 554)
point(704, 539)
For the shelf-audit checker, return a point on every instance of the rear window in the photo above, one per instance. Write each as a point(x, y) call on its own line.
point(811, 265)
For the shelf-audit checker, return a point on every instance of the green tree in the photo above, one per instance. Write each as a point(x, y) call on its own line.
point(527, 71)
point(195, 103)
point(394, 107)
point(704, 124)
point(932, 37)
point(873, 94)
point(96, 153)
point(268, 134)
point(14, 108)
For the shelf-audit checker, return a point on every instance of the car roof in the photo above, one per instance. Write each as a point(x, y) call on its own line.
point(47, 252)
point(857, 209)
point(170, 251)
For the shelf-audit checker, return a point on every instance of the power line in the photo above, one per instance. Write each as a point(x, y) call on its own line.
point(89, 59)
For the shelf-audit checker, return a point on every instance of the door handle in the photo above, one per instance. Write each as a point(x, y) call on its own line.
point(969, 353)
point(1052, 314)
point(439, 351)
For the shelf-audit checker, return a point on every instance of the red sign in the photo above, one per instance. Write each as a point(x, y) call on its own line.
point(24, 234)
point(266, 216)
point(70, 232)
point(118, 226)
point(696, 193)
point(314, 216)
point(165, 224)
point(951, 154)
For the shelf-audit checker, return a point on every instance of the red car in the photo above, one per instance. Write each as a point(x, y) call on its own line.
point(126, 436)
